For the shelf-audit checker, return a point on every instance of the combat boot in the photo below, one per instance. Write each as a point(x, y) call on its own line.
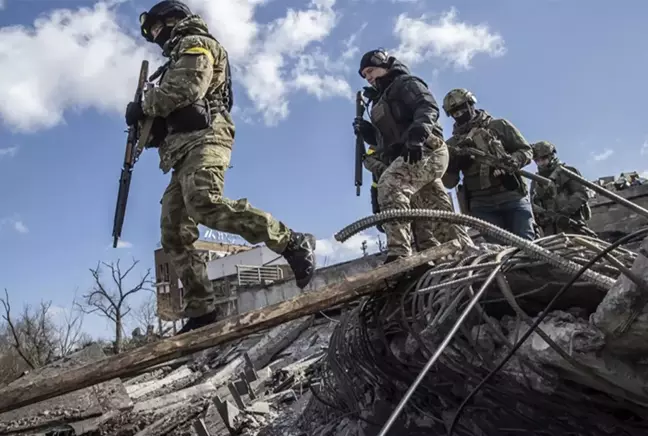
point(300, 255)
point(199, 321)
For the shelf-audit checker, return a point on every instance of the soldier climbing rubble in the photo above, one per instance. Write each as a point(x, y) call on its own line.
point(563, 206)
point(193, 99)
point(492, 194)
point(409, 156)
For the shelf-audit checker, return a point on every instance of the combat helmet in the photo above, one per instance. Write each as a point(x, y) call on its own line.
point(543, 149)
point(456, 98)
point(162, 10)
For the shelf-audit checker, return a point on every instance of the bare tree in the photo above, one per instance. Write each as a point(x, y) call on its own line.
point(112, 303)
point(70, 333)
point(146, 313)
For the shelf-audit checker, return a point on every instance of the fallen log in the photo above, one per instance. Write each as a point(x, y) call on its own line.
point(231, 328)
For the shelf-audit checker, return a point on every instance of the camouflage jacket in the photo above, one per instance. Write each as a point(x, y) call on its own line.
point(198, 69)
point(567, 197)
point(513, 143)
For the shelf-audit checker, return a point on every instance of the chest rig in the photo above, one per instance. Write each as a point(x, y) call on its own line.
point(484, 140)
point(389, 131)
point(547, 195)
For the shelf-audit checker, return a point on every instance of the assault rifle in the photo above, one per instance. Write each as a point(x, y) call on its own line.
point(499, 160)
point(138, 136)
point(559, 218)
point(360, 147)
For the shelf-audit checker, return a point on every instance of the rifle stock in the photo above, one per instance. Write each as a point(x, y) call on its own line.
point(359, 148)
point(137, 138)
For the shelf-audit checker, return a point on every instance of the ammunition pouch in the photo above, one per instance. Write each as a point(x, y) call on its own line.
point(510, 182)
point(158, 132)
point(196, 116)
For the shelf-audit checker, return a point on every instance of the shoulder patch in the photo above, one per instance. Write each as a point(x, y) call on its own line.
point(196, 50)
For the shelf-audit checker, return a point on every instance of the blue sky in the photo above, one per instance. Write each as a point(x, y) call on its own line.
point(569, 72)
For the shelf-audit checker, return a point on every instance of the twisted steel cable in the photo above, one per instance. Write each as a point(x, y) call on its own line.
point(380, 347)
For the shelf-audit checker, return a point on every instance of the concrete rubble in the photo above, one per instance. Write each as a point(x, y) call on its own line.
point(583, 371)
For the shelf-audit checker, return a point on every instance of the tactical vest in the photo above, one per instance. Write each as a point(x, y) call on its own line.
point(478, 176)
point(552, 198)
point(389, 131)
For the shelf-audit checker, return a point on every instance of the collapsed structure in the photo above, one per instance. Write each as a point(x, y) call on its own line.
point(555, 344)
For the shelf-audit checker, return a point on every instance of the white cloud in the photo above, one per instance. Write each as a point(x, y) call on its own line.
point(8, 152)
point(307, 76)
point(644, 148)
point(350, 47)
point(265, 76)
point(124, 244)
point(14, 223)
point(86, 58)
point(605, 154)
point(329, 251)
point(67, 60)
point(20, 227)
point(444, 38)
point(262, 54)
point(3, 4)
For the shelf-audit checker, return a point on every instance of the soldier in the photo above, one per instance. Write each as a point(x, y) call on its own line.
point(489, 194)
point(562, 207)
point(194, 99)
point(410, 147)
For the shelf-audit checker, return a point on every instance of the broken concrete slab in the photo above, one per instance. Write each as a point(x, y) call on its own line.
point(180, 377)
point(84, 404)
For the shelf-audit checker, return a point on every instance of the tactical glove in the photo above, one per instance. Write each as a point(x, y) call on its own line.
point(362, 127)
point(134, 113)
point(413, 153)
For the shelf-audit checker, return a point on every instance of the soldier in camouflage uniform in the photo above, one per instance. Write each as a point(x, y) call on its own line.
point(562, 207)
point(193, 100)
point(409, 156)
point(489, 194)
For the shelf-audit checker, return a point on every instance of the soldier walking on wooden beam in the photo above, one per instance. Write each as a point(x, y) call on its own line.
point(194, 99)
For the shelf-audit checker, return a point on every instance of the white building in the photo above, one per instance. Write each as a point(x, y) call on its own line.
point(256, 265)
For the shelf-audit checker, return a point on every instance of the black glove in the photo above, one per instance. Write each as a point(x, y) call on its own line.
point(510, 162)
point(360, 126)
point(134, 113)
point(412, 153)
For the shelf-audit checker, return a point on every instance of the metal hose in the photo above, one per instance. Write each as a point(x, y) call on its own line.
point(532, 250)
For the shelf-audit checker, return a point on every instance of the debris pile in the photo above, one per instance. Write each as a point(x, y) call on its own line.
point(564, 379)
point(343, 371)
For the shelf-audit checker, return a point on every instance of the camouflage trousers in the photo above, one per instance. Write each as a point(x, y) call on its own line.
point(418, 186)
point(195, 196)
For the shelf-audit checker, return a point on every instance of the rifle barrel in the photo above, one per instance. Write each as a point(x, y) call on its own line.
point(536, 177)
point(604, 192)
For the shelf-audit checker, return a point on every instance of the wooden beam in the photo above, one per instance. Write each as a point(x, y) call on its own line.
point(220, 332)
